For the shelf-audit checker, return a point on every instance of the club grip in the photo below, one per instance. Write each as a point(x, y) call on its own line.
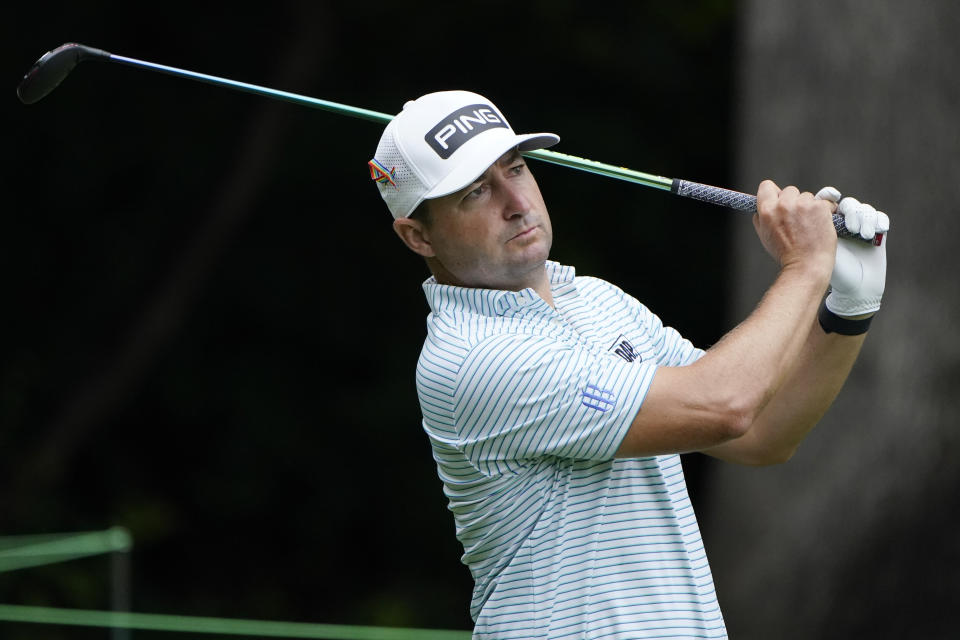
point(746, 202)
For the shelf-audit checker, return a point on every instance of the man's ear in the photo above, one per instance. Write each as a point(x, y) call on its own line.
point(414, 235)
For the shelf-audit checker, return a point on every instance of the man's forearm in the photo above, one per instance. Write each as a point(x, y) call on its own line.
point(810, 388)
point(761, 353)
point(720, 396)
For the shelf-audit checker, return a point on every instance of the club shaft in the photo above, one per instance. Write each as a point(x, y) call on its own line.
point(295, 98)
point(575, 162)
point(602, 169)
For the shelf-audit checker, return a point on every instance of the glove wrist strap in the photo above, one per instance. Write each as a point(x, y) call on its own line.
point(832, 323)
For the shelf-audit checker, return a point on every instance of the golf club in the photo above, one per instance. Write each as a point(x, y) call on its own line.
point(50, 70)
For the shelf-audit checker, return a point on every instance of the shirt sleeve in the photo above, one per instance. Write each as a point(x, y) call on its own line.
point(670, 348)
point(521, 397)
point(661, 343)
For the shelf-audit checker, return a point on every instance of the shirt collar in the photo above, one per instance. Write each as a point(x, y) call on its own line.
point(496, 302)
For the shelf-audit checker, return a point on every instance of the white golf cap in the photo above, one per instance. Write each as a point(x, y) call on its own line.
point(440, 143)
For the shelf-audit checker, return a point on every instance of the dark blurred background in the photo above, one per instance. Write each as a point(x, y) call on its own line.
point(210, 330)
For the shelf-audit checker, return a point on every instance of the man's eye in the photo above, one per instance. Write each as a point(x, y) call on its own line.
point(476, 193)
point(517, 169)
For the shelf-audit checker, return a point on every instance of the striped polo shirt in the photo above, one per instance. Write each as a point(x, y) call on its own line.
point(525, 405)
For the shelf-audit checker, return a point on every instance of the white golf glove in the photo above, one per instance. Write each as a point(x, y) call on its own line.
point(860, 269)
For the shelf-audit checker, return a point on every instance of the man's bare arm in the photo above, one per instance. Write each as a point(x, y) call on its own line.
point(819, 374)
point(719, 397)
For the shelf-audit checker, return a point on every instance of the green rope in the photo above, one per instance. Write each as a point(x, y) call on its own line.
point(17, 552)
point(229, 626)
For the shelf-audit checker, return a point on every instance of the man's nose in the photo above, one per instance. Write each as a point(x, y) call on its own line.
point(515, 201)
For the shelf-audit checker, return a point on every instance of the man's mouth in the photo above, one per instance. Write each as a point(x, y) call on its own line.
point(523, 234)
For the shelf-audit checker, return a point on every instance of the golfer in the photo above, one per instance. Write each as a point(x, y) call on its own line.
point(556, 404)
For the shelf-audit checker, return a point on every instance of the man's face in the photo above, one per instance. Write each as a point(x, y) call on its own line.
point(493, 234)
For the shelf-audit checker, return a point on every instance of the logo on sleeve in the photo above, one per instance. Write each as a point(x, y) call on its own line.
point(596, 398)
point(622, 347)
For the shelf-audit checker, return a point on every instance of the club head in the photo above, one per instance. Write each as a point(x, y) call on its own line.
point(52, 67)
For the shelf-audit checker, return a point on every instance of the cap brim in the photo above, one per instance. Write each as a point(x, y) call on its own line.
point(480, 156)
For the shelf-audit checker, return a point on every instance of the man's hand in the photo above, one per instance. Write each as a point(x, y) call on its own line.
point(860, 270)
point(795, 228)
